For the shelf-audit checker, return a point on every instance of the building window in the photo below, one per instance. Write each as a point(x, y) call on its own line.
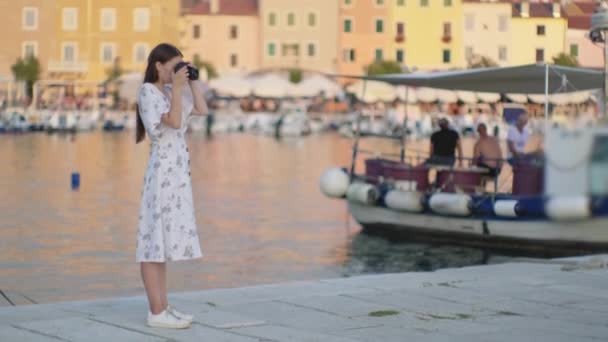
point(400, 56)
point(272, 19)
point(348, 25)
point(196, 31)
point(29, 20)
point(234, 60)
point(311, 50)
point(574, 50)
point(290, 49)
point(379, 25)
point(29, 49)
point(348, 2)
point(401, 3)
point(141, 53)
point(291, 19)
point(141, 19)
point(400, 29)
point(68, 52)
point(503, 23)
point(468, 52)
point(540, 55)
point(70, 19)
point(234, 32)
point(502, 53)
point(447, 30)
point(540, 30)
point(108, 53)
point(424, 3)
point(379, 2)
point(348, 55)
point(378, 55)
point(469, 22)
point(446, 56)
point(108, 19)
point(447, 3)
point(271, 49)
point(312, 19)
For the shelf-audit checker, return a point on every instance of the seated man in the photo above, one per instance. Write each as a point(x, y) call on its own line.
point(444, 143)
point(487, 153)
point(517, 138)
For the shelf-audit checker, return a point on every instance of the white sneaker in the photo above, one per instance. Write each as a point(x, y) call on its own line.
point(178, 314)
point(167, 320)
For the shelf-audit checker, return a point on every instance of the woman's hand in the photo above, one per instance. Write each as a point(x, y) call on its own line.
point(180, 78)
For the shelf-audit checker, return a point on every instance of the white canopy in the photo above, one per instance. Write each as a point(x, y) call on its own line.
point(236, 86)
point(527, 79)
point(373, 91)
point(315, 85)
point(129, 85)
point(272, 86)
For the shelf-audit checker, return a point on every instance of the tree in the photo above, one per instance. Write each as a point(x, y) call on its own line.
point(295, 75)
point(27, 70)
point(383, 67)
point(565, 59)
point(478, 61)
point(115, 71)
point(200, 64)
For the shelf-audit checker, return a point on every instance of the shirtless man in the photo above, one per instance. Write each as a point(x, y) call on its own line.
point(487, 153)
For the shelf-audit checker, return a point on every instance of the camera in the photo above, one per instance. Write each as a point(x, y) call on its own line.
point(192, 71)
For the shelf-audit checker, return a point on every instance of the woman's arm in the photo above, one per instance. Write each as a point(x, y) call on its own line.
point(200, 105)
point(173, 118)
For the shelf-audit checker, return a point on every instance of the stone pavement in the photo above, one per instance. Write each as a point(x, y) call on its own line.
point(556, 300)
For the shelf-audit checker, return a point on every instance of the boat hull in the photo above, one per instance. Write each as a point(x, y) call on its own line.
point(533, 235)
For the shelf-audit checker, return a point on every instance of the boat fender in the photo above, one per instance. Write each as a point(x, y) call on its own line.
point(451, 204)
point(506, 208)
point(362, 193)
point(569, 208)
point(334, 182)
point(411, 201)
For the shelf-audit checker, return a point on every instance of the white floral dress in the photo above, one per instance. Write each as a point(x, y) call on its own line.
point(167, 226)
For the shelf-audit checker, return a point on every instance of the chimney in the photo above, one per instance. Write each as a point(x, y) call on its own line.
point(557, 10)
point(524, 9)
point(214, 6)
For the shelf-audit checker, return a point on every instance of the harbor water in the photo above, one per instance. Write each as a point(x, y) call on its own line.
point(260, 214)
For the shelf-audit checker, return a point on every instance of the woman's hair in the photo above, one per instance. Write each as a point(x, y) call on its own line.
point(161, 53)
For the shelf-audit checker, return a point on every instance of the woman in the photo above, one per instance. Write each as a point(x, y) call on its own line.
point(167, 227)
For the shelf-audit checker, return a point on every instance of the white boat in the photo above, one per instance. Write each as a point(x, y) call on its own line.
point(17, 122)
point(86, 120)
point(558, 203)
point(61, 121)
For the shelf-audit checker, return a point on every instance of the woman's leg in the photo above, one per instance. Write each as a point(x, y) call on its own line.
point(151, 275)
point(162, 281)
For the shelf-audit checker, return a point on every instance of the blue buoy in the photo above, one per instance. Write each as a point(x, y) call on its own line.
point(75, 180)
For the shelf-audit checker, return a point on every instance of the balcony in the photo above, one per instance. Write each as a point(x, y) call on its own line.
point(446, 38)
point(63, 66)
point(400, 38)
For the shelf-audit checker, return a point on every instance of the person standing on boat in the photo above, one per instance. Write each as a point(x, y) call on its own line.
point(167, 228)
point(487, 153)
point(444, 144)
point(517, 138)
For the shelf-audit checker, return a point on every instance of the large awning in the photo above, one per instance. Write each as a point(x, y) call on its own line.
point(527, 79)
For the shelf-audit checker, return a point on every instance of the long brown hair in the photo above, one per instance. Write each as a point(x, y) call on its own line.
point(161, 53)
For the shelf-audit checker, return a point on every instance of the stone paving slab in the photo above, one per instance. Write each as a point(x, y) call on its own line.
point(559, 300)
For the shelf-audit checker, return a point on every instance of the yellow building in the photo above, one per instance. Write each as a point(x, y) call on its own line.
point(487, 31)
point(296, 33)
point(225, 33)
point(427, 34)
point(538, 32)
point(90, 36)
point(27, 29)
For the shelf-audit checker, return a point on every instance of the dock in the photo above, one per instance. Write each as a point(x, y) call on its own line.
point(523, 300)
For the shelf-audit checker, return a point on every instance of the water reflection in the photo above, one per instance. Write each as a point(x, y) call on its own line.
point(261, 217)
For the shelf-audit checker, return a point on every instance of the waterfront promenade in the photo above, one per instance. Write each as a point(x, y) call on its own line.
point(524, 300)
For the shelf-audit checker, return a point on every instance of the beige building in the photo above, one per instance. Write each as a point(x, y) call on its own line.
point(299, 33)
point(225, 33)
point(27, 28)
point(487, 31)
